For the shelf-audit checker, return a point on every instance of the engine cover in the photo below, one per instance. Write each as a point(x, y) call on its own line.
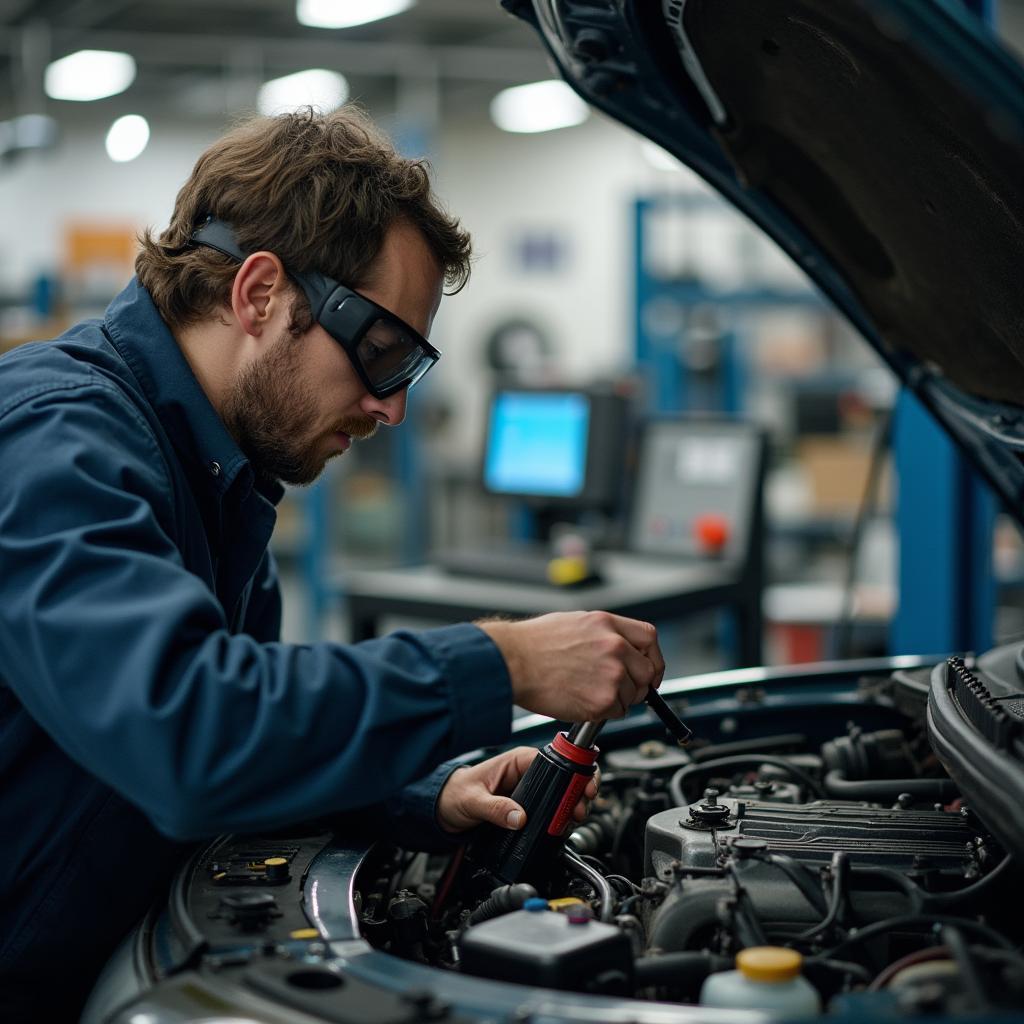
point(702, 836)
point(879, 836)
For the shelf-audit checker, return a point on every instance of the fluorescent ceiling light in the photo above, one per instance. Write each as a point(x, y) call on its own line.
point(316, 87)
point(127, 138)
point(538, 107)
point(89, 75)
point(346, 13)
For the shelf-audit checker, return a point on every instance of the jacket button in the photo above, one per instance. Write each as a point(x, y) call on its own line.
point(215, 468)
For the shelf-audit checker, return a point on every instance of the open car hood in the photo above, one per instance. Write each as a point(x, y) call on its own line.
point(879, 142)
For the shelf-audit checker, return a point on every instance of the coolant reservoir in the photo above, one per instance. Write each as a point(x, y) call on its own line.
point(767, 978)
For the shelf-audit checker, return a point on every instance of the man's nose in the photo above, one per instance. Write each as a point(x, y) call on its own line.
point(389, 411)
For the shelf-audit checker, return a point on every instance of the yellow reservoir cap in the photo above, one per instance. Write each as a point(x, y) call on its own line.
point(563, 572)
point(769, 963)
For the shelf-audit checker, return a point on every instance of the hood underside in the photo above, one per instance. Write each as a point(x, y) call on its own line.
point(880, 143)
point(903, 179)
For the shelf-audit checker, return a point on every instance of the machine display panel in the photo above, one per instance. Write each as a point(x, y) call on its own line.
point(537, 444)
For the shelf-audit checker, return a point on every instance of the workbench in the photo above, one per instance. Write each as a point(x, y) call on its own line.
point(638, 586)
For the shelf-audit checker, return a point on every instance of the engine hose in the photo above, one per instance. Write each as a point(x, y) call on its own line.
point(839, 786)
point(924, 921)
point(914, 893)
point(592, 835)
point(840, 880)
point(802, 877)
point(746, 924)
point(502, 900)
point(813, 969)
point(935, 900)
point(921, 900)
point(683, 922)
point(688, 771)
point(581, 868)
point(677, 970)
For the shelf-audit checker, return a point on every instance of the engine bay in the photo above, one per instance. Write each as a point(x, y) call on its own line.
point(857, 821)
point(858, 852)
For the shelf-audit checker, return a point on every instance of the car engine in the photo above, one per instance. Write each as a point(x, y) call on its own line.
point(858, 851)
point(863, 821)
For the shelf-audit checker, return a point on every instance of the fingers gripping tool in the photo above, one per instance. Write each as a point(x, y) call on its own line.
point(549, 792)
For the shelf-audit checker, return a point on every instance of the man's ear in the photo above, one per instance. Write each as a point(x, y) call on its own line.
point(259, 292)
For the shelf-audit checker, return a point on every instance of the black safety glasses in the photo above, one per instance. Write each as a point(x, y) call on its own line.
point(386, 352)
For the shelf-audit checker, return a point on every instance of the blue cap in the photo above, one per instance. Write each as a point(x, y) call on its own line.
point(535, 904)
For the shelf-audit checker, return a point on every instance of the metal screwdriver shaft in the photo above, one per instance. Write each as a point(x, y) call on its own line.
point(681, 732)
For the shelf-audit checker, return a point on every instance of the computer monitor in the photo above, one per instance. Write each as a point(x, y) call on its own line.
point(556, 446)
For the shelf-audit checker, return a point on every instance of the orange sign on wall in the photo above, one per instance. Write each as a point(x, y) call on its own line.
point(87, 246)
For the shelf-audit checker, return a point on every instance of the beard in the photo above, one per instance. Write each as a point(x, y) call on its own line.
point(272, 415)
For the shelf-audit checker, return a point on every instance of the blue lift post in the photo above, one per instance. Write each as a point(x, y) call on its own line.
point(946, 522)
point(945, 518)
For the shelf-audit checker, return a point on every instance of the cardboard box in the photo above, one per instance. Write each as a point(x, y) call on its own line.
point(837, 469)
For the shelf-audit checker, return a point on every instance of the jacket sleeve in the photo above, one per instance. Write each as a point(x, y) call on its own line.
point(124, 657)
point(410, 818)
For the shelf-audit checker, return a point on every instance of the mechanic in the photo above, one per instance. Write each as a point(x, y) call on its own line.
point(146, 701)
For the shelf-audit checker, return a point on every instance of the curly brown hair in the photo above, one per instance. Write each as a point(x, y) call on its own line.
point(318, 190)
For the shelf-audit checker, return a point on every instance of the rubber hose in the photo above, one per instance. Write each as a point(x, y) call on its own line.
point(502, 900)
point(678, 970)
point(739, 761)
point(604, 890)
point(839, 786)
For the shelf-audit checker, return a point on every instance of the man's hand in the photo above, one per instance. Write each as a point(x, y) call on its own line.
point(478, 793)
point(579, 666)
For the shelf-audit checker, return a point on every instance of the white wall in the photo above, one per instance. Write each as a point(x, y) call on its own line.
point(578, 183)
point(40, 193)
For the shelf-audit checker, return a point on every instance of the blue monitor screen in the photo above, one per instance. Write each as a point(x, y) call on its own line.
point(537, 444)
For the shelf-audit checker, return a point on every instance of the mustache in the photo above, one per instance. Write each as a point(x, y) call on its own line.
point(358, 427)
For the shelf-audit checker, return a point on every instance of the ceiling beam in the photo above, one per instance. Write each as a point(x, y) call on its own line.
point(84, 13)
point(12, 10)
point(478, 63)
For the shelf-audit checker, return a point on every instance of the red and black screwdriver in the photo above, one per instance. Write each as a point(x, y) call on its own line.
point(549, 792)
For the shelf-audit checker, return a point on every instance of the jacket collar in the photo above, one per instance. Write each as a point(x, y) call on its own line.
point(144, 341)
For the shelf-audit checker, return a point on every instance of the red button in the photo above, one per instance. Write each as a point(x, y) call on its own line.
point(711, 532)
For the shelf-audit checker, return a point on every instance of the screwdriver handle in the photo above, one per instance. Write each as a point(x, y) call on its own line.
point(548, 792)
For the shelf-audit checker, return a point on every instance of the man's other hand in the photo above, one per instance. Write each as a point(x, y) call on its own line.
point(579, 666)
point(479, 793)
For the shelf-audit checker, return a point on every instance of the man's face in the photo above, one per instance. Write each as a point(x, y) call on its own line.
point(301, 402)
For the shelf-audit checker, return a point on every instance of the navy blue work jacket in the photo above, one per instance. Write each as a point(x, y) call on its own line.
point(145, 699)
